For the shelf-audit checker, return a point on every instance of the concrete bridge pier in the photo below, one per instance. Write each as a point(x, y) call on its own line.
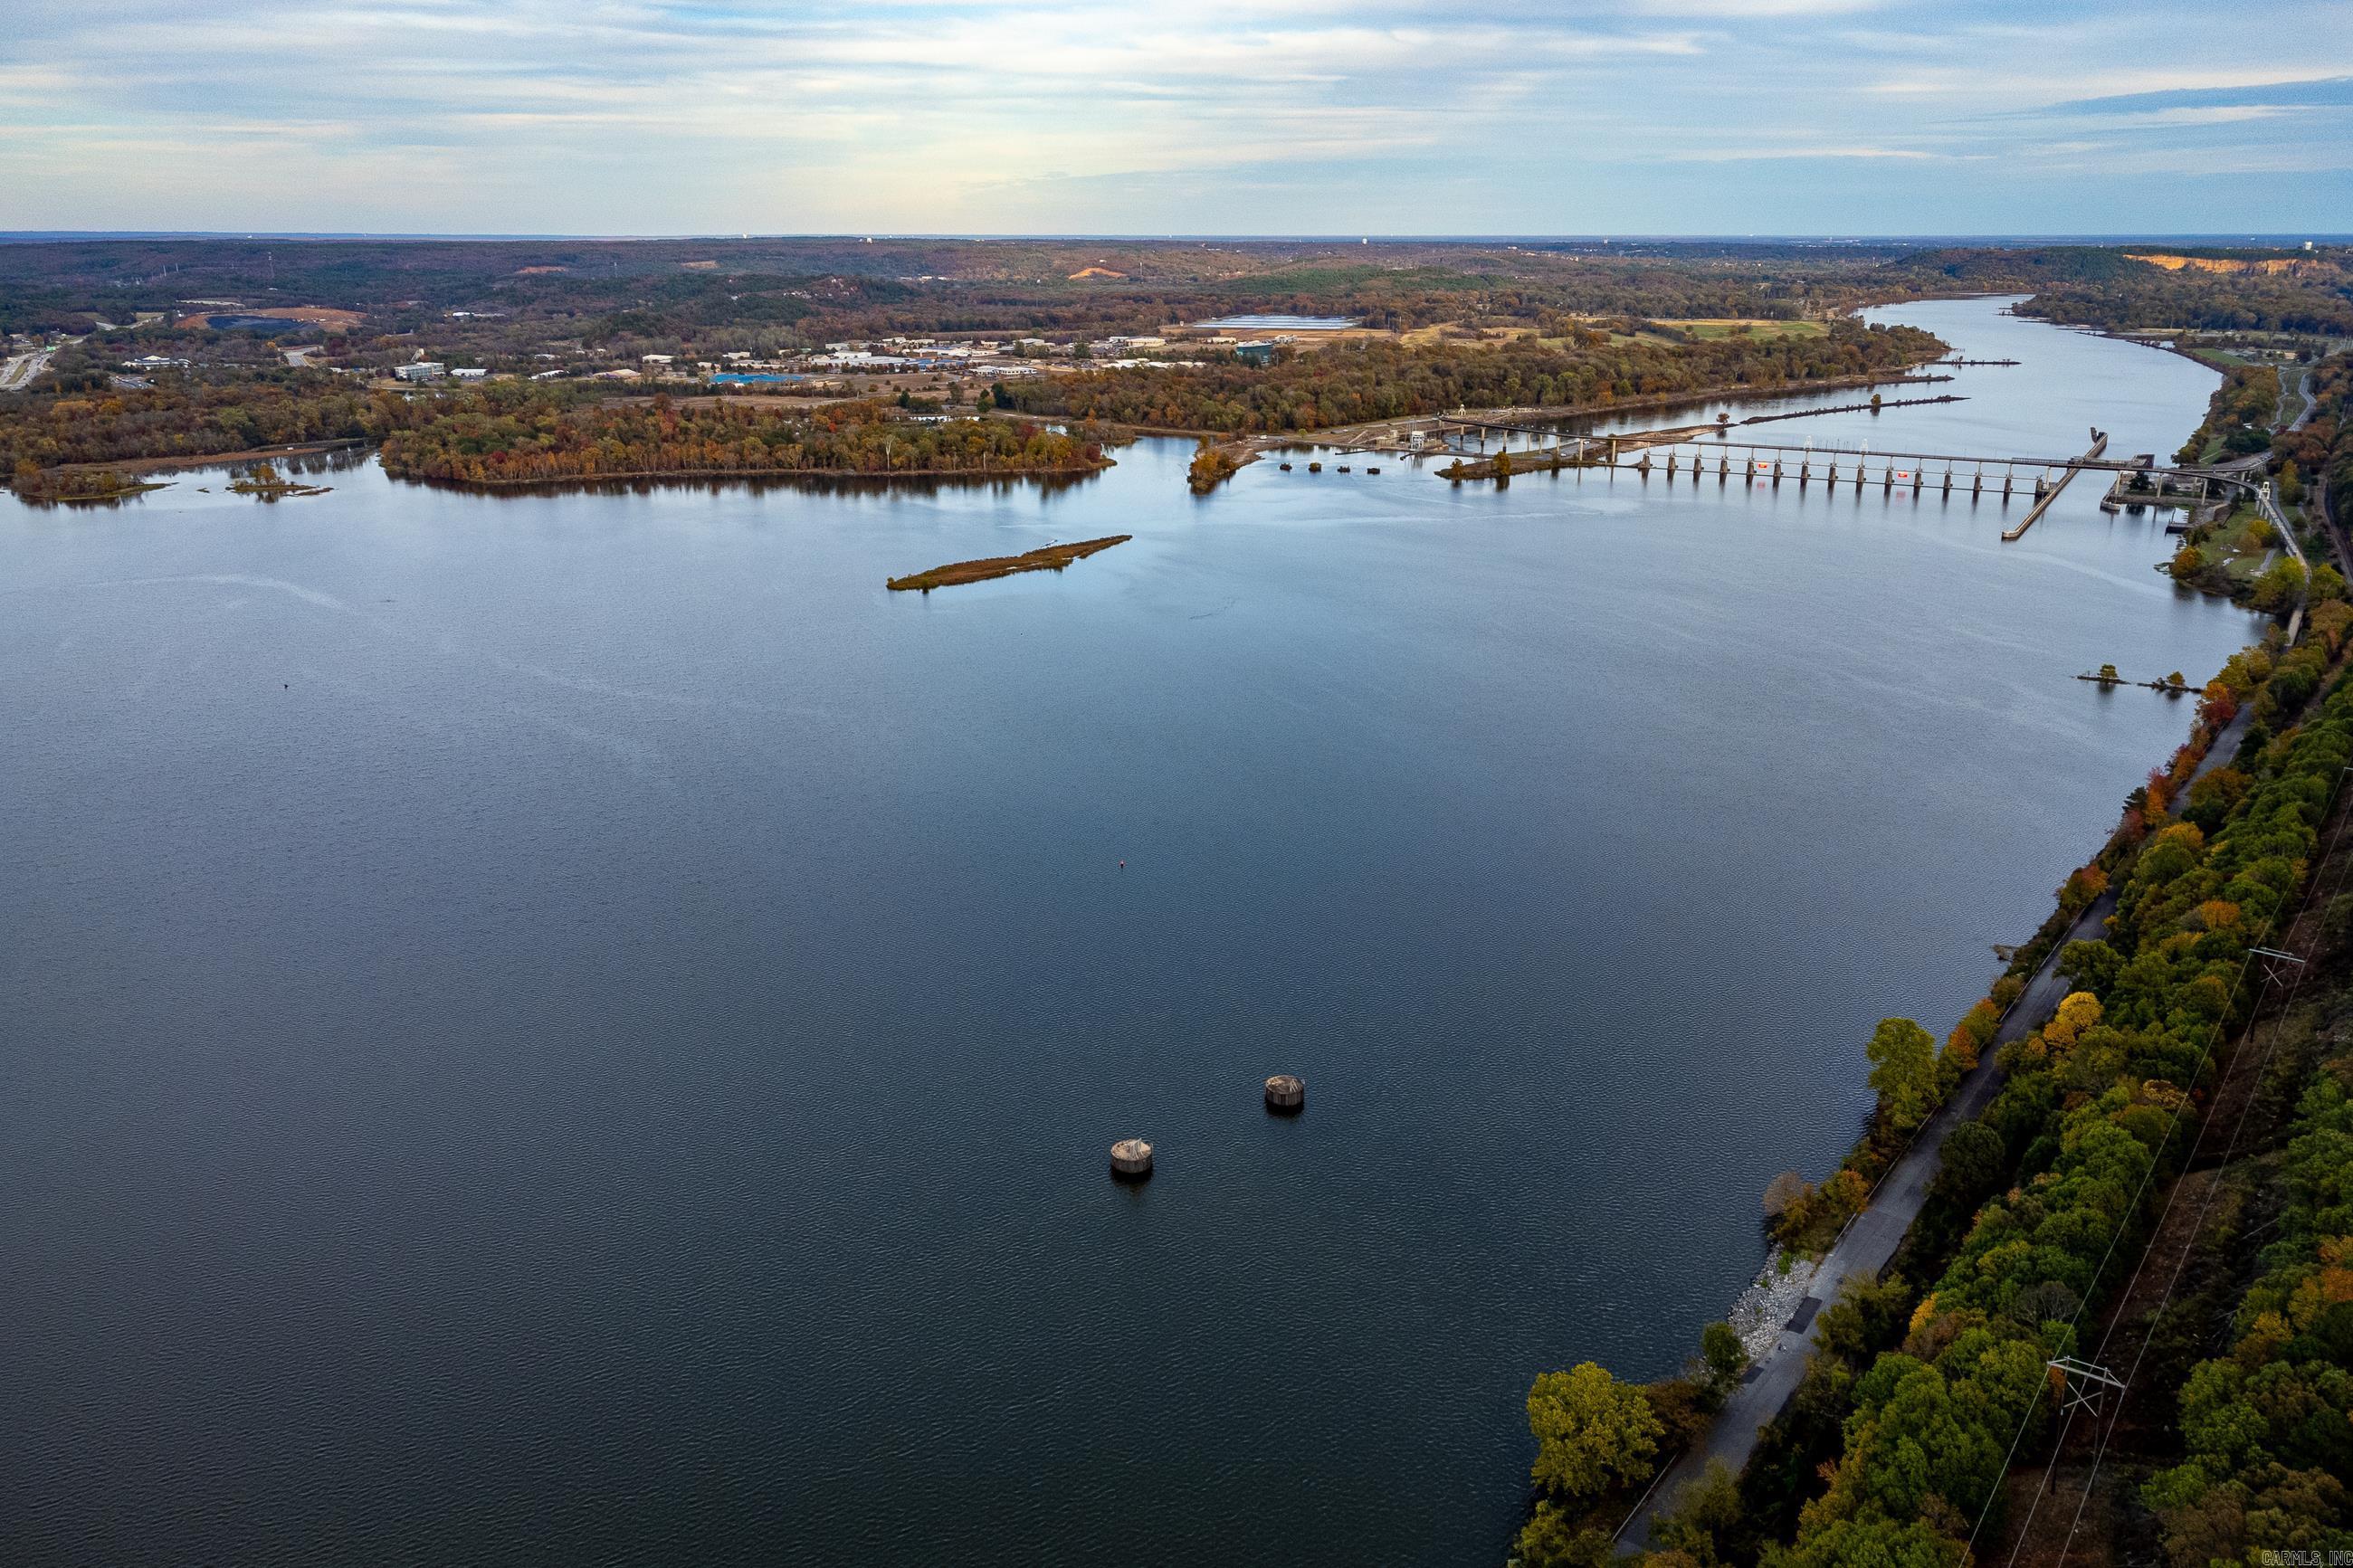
point(1976, 484)
point(1776, 471)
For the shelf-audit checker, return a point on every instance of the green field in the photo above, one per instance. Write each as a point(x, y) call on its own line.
point(1725, 327)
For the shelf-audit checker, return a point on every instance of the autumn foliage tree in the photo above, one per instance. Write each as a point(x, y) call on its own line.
point(1903, 1071)
point(510, 434)
point(1349, 383)
point(190, 415)
point(1592, 1432)
point(2067, 1159)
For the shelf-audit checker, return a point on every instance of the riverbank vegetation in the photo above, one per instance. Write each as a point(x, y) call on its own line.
point(2238, 556)
point(265, 482)
point(2236, 551)
point(2238, 416)
point(52, 485)
point(2112, 287)
point(1896, 1445)
point(183, 416)
point(1600, 1441)
point(1212, 466)
point(1919, 1401)
point(506, 433)
point(513, 434)
point(1348, 384)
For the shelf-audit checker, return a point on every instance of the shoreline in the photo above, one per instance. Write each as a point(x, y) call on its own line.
point(843, 476)
point(1873, 1235)
point(1248, 447)
point(1782, 1347)
point(183, 460)
point(1783, 1281)
point(987, 569)
point(217, 459)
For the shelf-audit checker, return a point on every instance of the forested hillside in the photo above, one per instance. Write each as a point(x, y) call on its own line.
point(509, 435)
point(1347, 383)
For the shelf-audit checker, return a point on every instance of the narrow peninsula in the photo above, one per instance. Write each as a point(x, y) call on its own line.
point(1051, 558)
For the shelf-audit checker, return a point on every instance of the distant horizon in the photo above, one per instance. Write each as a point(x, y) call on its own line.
point(2278, 240)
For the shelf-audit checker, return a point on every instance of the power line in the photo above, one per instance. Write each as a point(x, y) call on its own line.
point(2068, 1425)
point(2279, 1026)
point(2026, 1419)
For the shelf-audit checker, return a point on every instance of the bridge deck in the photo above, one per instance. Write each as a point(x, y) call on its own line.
point(1874, 454)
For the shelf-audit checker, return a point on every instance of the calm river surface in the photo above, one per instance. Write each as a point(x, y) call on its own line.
point(579, 1028)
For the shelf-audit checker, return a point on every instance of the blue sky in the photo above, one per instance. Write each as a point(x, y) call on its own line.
point(1277, 116)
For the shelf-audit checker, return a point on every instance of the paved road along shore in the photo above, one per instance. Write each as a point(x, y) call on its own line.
point(1873, 1236)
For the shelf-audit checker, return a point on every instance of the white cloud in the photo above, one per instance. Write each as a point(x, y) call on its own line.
point(1763, 10)
point(935, 114)
point(1770, 154)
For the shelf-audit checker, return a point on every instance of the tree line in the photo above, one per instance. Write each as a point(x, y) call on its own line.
point(2104, 287)
point(1917, 1400)
point(1349, 383)
point(2266, 1426)
point(514, 434)
point(505, 432)
point(2319, 455)
point(186, 416)
point(2065, 1166)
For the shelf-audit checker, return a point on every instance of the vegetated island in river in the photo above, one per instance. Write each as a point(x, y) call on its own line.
point(264, 480)
point(508, 435)
point(48, 486)
point(1051, 558)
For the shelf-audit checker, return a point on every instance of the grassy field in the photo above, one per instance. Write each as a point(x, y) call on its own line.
point(1702, 327)
point(2240, 543)
point(1442, 332)
point(2220, 359)
point(1725, 327)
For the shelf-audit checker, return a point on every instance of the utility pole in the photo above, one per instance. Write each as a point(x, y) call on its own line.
point(2084, 1384)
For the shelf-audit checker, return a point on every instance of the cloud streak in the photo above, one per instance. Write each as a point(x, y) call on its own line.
point(1282, 115)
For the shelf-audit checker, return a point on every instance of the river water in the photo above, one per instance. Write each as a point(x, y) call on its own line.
point(579, 1027)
